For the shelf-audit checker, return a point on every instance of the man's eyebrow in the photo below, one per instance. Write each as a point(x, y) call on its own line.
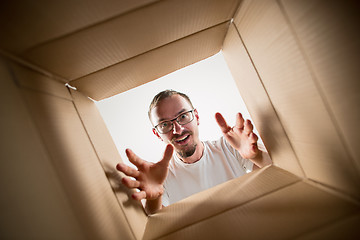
point(164, 119)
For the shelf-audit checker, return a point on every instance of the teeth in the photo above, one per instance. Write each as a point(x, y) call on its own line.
point(181, 139)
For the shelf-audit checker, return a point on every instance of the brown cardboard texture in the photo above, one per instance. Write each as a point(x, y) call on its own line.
point(295, 63)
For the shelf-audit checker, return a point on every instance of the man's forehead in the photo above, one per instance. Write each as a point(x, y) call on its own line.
point(169, 108)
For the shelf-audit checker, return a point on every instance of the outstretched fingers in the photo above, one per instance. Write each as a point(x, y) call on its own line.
point(253, 138)
point(133, 158)
point(139, 195)
point(222, 123)
point(130, 183)
point(167, 155)
point(129, 171)
point(239, 121)
point(248, 128)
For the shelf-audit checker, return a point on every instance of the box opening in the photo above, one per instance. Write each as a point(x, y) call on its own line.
point(208, 83)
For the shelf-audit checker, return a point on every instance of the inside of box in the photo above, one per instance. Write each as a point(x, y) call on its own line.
point(208, 83)
point(295, 64)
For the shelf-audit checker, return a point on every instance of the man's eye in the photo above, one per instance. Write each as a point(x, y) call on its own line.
point(164, 124)
point(183, 116)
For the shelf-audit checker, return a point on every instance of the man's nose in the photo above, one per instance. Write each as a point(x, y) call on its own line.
point(177, 128)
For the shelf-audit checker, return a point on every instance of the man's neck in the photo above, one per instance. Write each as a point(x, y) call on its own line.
point(196, 156)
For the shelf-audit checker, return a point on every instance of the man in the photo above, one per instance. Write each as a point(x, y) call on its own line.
point(196, 165)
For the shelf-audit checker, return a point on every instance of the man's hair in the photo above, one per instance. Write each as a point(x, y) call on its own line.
point(165, 94)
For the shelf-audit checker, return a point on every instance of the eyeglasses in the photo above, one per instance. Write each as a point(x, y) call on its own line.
point(182, 119)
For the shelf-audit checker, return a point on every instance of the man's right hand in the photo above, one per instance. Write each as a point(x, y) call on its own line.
point(148, 177)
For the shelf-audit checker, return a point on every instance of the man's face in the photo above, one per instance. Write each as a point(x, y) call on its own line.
point(184, 138)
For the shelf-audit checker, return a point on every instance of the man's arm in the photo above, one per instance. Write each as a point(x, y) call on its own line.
point(148, 178)
point(152, 206)
point(242, 138)
point(261, 160)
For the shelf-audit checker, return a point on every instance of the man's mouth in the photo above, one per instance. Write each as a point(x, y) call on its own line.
point(182, 140)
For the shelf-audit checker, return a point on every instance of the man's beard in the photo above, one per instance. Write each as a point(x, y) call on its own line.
point(188, 152)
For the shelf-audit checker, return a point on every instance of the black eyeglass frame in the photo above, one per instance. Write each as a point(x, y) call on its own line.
point(177, 120)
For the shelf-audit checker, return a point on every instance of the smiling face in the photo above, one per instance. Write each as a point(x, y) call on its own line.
point(184, 138)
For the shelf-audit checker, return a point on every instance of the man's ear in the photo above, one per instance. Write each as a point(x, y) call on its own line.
point(156, 133)
point(197, 116)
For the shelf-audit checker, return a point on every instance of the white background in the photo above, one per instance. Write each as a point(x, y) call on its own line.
point(209, 85)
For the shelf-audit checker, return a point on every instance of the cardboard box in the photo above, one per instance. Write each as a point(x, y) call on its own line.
point(295, 63)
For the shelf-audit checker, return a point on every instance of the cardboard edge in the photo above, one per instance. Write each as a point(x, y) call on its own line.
point(122, 80)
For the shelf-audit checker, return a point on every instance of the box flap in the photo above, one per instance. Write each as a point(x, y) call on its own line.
point(25, 24)
point(213, 202)
point(267, 205)
point(153, 64)
point(300, 102)
point(108, 156)
point(259, 104)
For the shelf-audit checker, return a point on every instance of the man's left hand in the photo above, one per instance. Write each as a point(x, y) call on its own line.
point(241, 136)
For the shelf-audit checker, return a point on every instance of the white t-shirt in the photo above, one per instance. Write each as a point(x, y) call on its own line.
point(219, 163)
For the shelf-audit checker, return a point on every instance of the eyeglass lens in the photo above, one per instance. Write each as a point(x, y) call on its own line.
point(183, 119)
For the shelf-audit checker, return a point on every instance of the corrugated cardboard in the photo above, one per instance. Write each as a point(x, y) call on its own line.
point(74, 163)
point(229, 195)
point(24, 25)
point(106, 43)
point(261, 108)
point(77, 165)
point(153, 64)
point(289, 81)
point(332, 57)
point(295, 63)
point(34, 203)
point(109, 157)
point(271, 205)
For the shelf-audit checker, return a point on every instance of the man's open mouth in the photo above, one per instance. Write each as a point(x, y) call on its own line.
point(183, 139)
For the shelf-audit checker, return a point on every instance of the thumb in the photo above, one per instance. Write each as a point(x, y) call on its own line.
point(167, 155)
